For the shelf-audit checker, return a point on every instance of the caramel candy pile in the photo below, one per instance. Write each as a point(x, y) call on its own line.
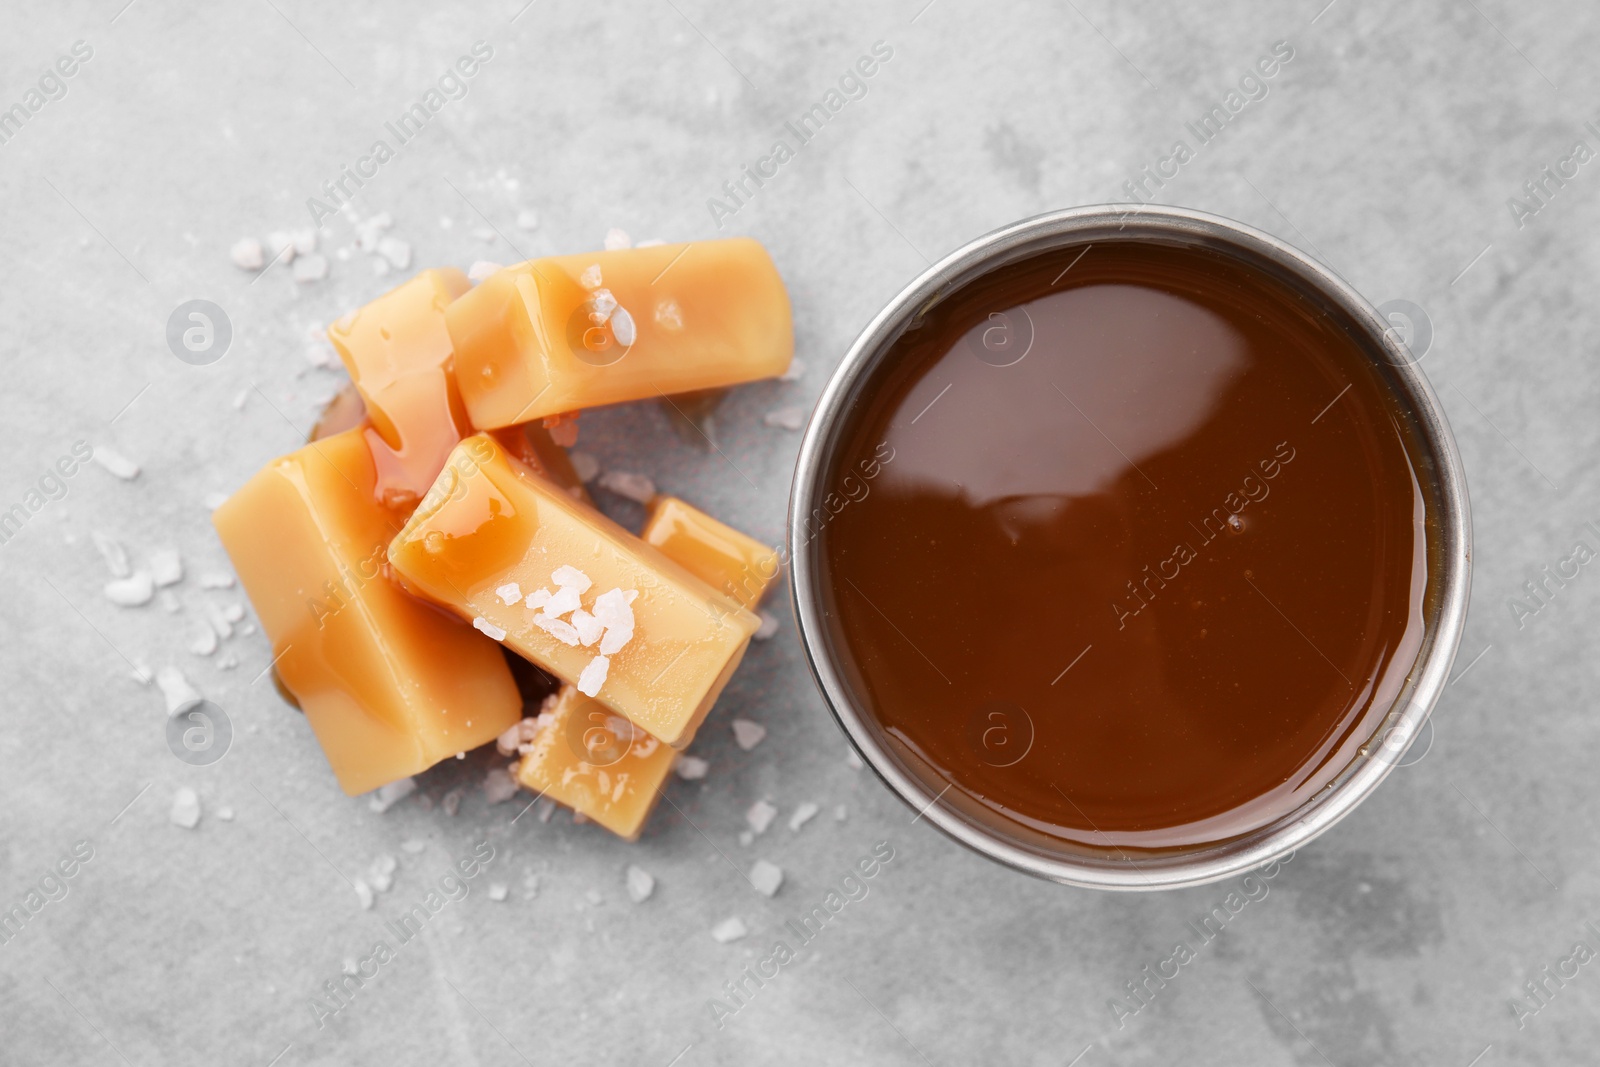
point(441, 484)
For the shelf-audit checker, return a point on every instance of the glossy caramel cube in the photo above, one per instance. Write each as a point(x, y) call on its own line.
point(389, 684)
point(567, 332)
point(491, 534)
point(733, 563)
point(397, 350)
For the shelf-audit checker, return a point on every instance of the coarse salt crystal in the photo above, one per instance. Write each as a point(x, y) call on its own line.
point(499, 786)
point(116, 463)
point(615, 640)
point(766, 877)
point(669, 316)
point(691, 768)
point(498, 891)
point(204, 641)
point(565, 577)
point(175, 688)
point(132, 591)
point(165, 567)
point(640, 884)
point(396, 251)
point(482, 269)
point(246, 254)
point(760, 816)
point(622, 328)
point(387, 796)
point(280, 244)
point(590, 278)
point(768, 627)
point(561, 631)
point(509, 593)
point(802, 815)
point(617, 239)
point(185, 808)
point(363, 894)
point(305, 241)
point(593, 676)
point(564, 601)
point(790, 418)
point(747, 734)
point(589, 628)
point(601, 305)
point(585, 466)
point(233, 612)
point(538, 598)
point(485, 626)
point(613, 609)
point(731, 929)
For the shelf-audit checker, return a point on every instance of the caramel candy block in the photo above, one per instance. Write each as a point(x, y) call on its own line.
point(568, 332)
point(597, 763)
point(587, 757)
point(625, 624)
point(390, 685)
point(397, 350)
point(733, 563)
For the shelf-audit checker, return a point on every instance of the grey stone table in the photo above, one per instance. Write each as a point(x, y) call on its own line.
point(1396, 142)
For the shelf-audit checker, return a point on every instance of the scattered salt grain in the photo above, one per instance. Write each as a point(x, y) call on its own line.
point(589, 628)
point(617, 239)
point(246, 254)
point(613, 608)
point(225, 814)
point(233, 612)
point(228, 662)
point(601, 305)
point(185, 808)
point(527, 220)
point(564, 600)
point(567, 577)
point(766, 877)
point(280, 244)
point(561, 631)
point(538, 598)
point(760, 816)
point(396, 252)
point(585, 466)
point(747, 734)
point(509, 593)
point(219, 622)
point(114, 554)
point(593, 676)
point(116, 463)
point(691, 768)
point(499, 786)
point(768, 627)
point(485, 626)
point(132, 591)
point(482, 269)
point(305, 241)
point(590, 278)
point(802, 815)
point(790, 418)
point(216, 580)
point(175, 688)
point(204, 641)
point(382, 873)
point(797, 370)
point(498, 891)
point(165, 567)
point(387, 796)
point(640, 884)
point(312, 268)
point(622, 327)
point(363, 894)
point(731, 929)
point(515, 736)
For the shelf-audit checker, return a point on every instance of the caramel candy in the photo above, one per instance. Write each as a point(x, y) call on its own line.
point(568, 332)
point(397, 350)
point(389, 684)
point(733, 563)
point(625, 624)
point(590, 759)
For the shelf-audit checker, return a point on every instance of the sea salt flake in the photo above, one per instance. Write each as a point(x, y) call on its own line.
point(802, 815)
point(593, 676)
point(615, 640)
point(571, 577)
point(617, 239)
point(589, 628)
point(233, 612)
point(563, 601)
point(165, 567)
point(601, 304)
point(747, 734)
point(509, 593)
point(640, 884)
point(585, 466)
point(538, 598)
point(760, 816)
point(768, 627)
point(246, 254)
point(387, 796)
point(499, 786)
point(132, 591)
point(728, 930)
point(185, 808)
point(561, 631)
point(396, 251)
point(669, 316)
point(176, 690)
point(204, 641)
point(789, 418)
point(613, 609)
point(766, 877)
point(116, 463)
point(485, 626)
point(622, 328)
point(691, 768)
point(590, 278)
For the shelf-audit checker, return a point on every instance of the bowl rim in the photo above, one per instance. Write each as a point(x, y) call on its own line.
point(1395, 730)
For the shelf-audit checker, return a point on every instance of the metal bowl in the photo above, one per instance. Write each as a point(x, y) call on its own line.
point(1432, 451)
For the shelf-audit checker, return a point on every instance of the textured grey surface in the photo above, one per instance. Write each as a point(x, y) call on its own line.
point(1388, 146)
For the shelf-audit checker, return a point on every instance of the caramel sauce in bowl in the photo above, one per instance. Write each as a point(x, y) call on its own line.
point(1130, 547)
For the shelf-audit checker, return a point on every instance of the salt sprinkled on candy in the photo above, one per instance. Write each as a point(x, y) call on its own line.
point(561, 631)
point(602, 304)
point(731, 929)
point(626, 483)
point(802, 815)
point(538, 598)
point(760, 816)
point(593, 676)
point(691, 768)
point(669, 316)
point(590, 278)
point(617, 239)
point(748, 734)
point(766, 877)
point(571, 577)
point(622, 327)
point(509, 593)
point(612, 609)
point(485, 626)
point(640, 884)
point(116, 463)
point(565, 600)
point(589, 628)
point(132, 591)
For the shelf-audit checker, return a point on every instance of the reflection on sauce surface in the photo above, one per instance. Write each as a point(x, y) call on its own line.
point(1135, 578)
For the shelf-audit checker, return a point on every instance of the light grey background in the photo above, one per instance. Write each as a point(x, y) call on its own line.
point(1388, 146)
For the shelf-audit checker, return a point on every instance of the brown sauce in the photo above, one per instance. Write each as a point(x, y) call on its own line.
point(1143, 562)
